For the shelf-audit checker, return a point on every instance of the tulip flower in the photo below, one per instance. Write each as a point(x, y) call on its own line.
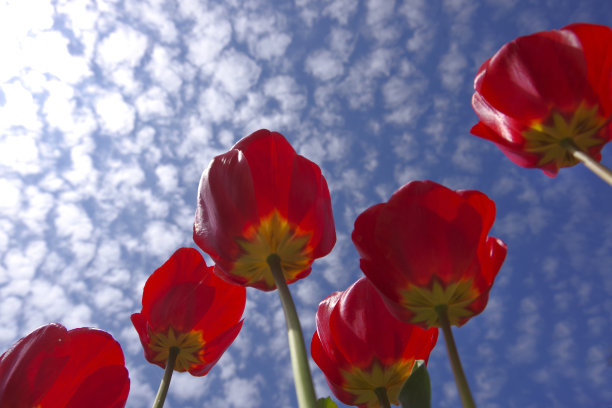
point(546, 99)
point(189, 315)
point(365, 353)
point(55, 368)
point(259, 199)
point(264, 215)
point(428, 252)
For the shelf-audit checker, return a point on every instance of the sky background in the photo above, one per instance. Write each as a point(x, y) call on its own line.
point(110, 111)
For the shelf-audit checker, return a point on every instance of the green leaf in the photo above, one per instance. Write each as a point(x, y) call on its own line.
point(416, 391)
point(326, 403)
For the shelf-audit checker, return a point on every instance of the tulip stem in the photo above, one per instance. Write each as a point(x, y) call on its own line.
point(383, 398)
point(299, 360)
point(165, 382)
point(462, 385)
point(599, 169)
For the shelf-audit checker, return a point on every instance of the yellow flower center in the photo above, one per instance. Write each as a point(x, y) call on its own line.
point(362, 383)
point(422, 301)
point(190, 346)
point(273, 235)
point(550, 140)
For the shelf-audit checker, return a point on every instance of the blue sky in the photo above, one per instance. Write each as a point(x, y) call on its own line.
point(110, 110)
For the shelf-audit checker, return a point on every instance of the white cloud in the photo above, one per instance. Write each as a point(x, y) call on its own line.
point(167, 177)
point(22, 265)
point(489, 383)
point(164, 69)
point(216, 105)
point(80, 16)
point(78, 316)
point(465, 155)
point(308, 10)
point(154, 18)
point(359, 85)
point(45, 303)
point(461, 12)
point(19, 109)
point(20, 153)
point(82, 170)
point(141, 393)
point(124, 46)
point(111, 300)
point(396, 90)
point(73, 222)
point(378, 11)
point(452, 68)
point(324, 65)
point(211, 34)
point(524, 349)
point(341, 10)
point(242, 392)
point(153, 105)
point(162, 239)
point(10, 308)
point(309, 291)
point(236, 72)
point(342, 43)
point(60, 112)
point(405, 147)
point(10, 197)
point(116, 116)
point(187, 387)
point(48, 53)
point(286, 91)
point(271, 46)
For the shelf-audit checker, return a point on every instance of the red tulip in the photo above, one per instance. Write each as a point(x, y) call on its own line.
point(541, 92)
point(428, 246)
point(258, 199)
point(360, 346)
point(56, 368)
point(185, 305)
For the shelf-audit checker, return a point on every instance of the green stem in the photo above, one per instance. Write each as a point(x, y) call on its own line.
point(165, 382)
point(299, 359)
point(383, 398)
point(462, 385)
point(599, 169)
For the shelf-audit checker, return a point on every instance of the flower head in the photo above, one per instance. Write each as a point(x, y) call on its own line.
point(262, 198)
point(184, 305)
point(428, 246)
point(54, 368)
point(545, 93)
point(360, 346)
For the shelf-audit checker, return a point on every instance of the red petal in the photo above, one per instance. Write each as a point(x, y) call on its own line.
point(88, 351)
point(28, 369)
point(528, 75)
point(52, 366)
point(172, 294)
point(106, 387)
point(596, 43)
point(226, 207)
point(214, 349)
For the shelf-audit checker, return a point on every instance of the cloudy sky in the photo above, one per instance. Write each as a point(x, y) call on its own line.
point(111, 109)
